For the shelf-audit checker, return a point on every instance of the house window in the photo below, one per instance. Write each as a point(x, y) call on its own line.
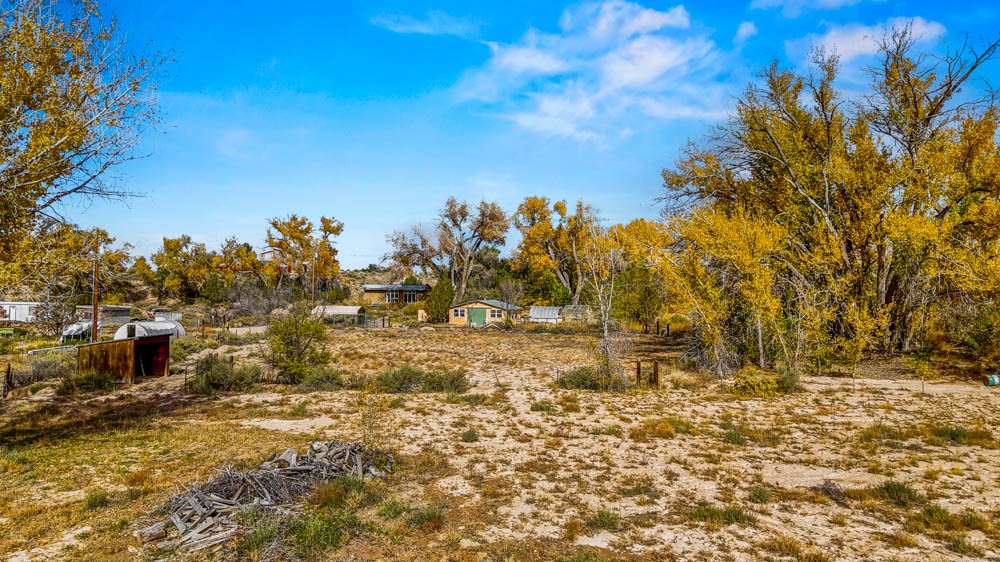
point(391, 297)
point(459, 313)
point(409, 297)
point(494, 313)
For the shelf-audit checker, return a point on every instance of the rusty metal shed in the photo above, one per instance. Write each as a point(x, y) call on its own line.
point(127, 359)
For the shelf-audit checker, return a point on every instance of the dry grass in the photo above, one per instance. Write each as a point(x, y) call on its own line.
point(517, 469)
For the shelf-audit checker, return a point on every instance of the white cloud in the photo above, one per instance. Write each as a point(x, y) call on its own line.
point(436, 23)
point(856, 40)
point(614, 19)
point(794, 8)
point(612, 65)
point(647, 58)
point(526, 59)
point(745, 31)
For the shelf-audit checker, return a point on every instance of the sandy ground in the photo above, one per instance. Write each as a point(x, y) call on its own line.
point(546, 460)
point(555, 467)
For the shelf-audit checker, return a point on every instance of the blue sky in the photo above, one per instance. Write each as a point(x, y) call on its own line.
point(376, 112)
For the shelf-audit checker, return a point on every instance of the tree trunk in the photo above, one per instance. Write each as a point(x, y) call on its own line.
point(760, 345)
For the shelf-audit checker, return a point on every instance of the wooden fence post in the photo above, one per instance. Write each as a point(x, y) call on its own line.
point(7, 381)
point(656, 373)
point(638, 373)
point(657, 326)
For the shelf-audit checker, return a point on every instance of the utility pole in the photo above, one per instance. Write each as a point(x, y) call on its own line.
point(94, 336)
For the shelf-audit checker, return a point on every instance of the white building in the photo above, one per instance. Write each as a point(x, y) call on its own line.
point(17, 311)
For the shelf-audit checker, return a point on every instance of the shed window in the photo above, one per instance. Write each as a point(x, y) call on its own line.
point(409, 297)
point(459, 313)
point(391, 297)
point(494, 313)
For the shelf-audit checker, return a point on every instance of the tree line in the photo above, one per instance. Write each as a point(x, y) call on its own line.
point(815, 225)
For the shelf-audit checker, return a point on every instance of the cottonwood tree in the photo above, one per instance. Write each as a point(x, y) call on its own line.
point(58, 269)
point(812, 221)
point(553, 238)
point(74, 101)
point(511, 291)
point(305, 251)
point(460, 234)
point(642, 293)
point(182, 266)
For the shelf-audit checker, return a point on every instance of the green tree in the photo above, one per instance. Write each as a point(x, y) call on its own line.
point(440, 299)
point(297, 344)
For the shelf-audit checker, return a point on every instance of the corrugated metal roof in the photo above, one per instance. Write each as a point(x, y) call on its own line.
point(543, 312)
point(391, 287)
point(576, 309)
point(492, 302)
point(151, 328)
point(338, 310)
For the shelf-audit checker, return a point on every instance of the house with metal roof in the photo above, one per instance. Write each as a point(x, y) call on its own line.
point(380, 293)
point(337, 314)
point(579, 313)
point(480, 312)
point(544, 314)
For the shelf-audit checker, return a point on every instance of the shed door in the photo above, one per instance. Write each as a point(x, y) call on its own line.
point(477, 316)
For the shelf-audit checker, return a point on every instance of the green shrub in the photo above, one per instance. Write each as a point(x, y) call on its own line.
point(734, 436)
point(262, 531)
point(430, 517)
point(788, 382)
point(183, 347)
point(89, 381)
point(590, 378)
point(470, 436)
point(544, 328)
point(962, 436)
point(728, 515)
point(52, 365)
point(439, 300)
point(412, 308)
point(760, 494)
point(543, 407)
point(12, 461)
point(335, 493)
point(604, 519)
point(317, 531)
point(391, 508)
point(216, 374)
point(297, 344)
point(752, 382)
point(95, 499)
point(7, 346)
point(961, 545)
point(407, 378)
point(890, 491)
point(468, 399)
point(322, 378)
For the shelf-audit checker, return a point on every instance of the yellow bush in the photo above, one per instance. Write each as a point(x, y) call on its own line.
point(755, 383)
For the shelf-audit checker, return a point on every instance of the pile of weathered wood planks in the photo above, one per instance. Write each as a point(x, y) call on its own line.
point(203, 514)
